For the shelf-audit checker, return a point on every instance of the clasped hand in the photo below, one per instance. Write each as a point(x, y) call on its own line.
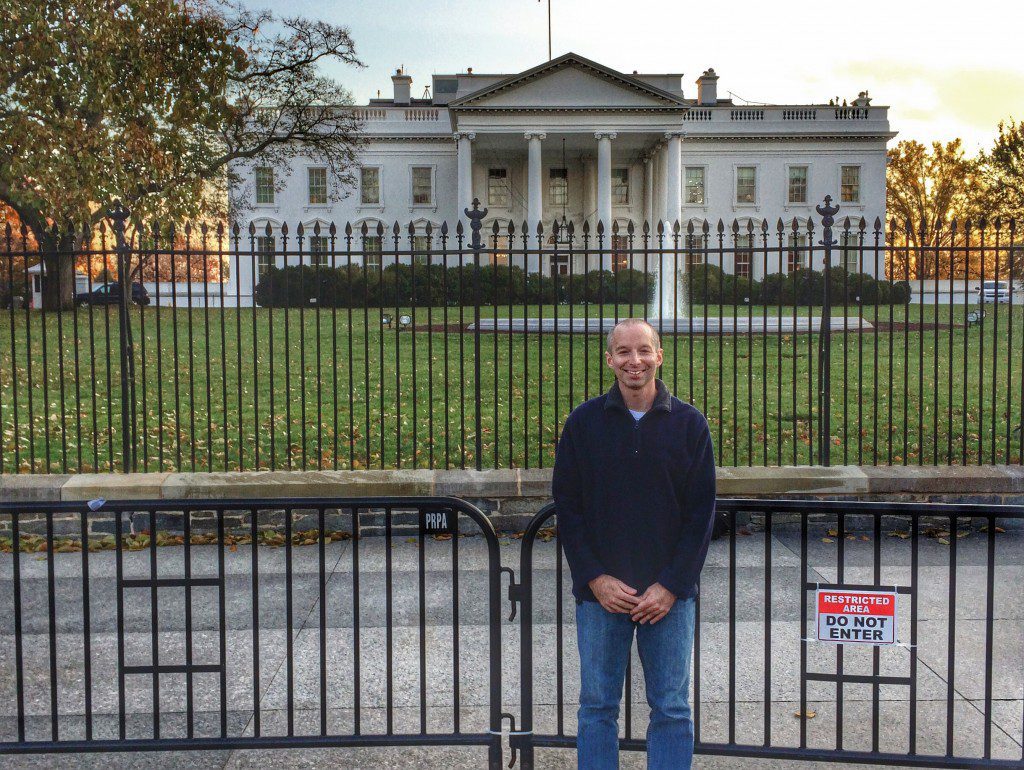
point(615, 596)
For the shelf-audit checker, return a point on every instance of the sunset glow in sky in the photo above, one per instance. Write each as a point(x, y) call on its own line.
point(944, 75)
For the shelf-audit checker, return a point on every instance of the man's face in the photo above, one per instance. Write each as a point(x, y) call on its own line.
point(633, 357)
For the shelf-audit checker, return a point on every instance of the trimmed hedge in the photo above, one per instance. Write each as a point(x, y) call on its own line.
point(709, 284)
point(435, 286)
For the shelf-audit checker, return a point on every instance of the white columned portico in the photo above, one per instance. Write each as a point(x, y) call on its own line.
point(534, 191)
point(465, 180)
point(604, 190)
point(674, 185)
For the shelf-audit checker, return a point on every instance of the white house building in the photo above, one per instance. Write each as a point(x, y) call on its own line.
point(574, 138)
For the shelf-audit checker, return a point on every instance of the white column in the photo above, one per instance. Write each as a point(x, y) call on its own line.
point(534, 193)
point(589, 194)
point(661, 194)
point(534, 181)
point(648, 189)
point(465, 200)
point(604, 190)
point(674, 186)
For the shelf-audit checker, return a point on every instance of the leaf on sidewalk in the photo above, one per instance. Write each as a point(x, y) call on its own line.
point(805, 714)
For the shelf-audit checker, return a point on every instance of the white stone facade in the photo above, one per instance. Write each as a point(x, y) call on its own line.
point(633, 148)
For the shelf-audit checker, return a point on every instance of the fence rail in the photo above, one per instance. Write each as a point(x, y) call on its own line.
point(424, 347)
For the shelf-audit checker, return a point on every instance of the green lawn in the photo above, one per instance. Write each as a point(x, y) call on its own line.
point(311, 389)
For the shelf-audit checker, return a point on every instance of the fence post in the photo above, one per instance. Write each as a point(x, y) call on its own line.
point(476, 244)
point(119, 215)
point(827, 212)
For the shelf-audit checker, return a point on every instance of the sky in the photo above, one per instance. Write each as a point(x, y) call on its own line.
point(943, 73)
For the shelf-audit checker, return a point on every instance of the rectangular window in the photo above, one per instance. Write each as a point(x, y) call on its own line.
point(497, 188)
point(266, 247)
point(422, 186)
point(369, 186)
point(849, 184)
point(420, 252)
point(850, 252)
point(744, 256)
point(695, 184)
point(746, 184)
point(264, 186)
point(317, 186)
point(620, 186)
point(318, 247)
point(796, 257)
point(797, 184)
point(558, 186)
point(371, 252)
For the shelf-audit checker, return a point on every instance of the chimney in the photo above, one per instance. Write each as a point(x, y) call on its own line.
point(707, 88)
point(403, 86)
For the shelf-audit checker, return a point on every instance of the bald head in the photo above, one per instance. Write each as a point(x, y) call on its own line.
point(633, 322)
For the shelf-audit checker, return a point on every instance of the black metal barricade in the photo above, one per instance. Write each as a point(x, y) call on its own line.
point(365, 622)
point(323, 651)
point(762, 687)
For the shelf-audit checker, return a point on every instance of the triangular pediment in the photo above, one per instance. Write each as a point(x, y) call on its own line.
point(569, 82)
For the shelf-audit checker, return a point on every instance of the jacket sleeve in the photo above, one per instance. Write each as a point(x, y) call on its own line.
point(567, 489)
point(698, 500)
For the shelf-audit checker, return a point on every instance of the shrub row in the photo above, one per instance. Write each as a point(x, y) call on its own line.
point(436, 285)
point(709, 284)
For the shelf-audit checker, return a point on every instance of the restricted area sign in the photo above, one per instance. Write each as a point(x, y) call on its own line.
point(856, 616)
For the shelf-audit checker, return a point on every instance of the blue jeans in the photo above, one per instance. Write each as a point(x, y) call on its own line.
point(605, 639)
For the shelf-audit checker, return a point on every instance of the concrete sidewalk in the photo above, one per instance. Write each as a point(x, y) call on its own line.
point(442, 601)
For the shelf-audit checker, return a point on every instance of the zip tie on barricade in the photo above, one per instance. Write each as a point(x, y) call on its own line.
point(510, 732)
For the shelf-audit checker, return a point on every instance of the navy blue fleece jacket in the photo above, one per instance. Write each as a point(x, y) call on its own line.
point(635, 499)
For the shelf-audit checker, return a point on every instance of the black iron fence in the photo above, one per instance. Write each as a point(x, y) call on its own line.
point(804, 342)
point(174, 625)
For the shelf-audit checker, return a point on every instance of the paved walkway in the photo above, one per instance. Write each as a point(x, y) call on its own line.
point(933, 676)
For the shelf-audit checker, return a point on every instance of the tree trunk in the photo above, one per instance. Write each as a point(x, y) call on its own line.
point(59, 264)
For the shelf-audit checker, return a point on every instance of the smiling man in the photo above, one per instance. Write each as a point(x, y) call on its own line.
point(634, 488)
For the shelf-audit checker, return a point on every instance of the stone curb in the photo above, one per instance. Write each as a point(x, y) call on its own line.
point(986, 483)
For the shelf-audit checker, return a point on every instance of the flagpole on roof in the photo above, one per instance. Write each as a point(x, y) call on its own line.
point(549, 29)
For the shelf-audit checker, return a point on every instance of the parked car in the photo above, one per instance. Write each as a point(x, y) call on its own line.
point(995, 291)
point(109, 294)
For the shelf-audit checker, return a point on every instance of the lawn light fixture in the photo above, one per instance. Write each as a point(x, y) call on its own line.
point(385, 320)
point(404, 321)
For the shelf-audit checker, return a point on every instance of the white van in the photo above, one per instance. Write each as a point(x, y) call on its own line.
point(995, 291)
